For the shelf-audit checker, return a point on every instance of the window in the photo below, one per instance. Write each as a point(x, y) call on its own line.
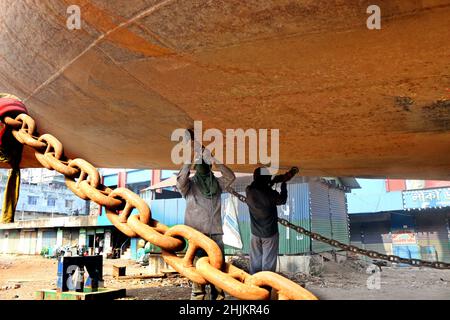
point(32, 200)
point(51, 202)
point(69, 203)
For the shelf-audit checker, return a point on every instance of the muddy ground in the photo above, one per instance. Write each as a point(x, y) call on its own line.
point(22, 276)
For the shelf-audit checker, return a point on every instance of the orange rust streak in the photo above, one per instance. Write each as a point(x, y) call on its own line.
point(103, 22)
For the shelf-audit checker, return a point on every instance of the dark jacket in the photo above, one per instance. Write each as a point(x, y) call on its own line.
point(262, 203)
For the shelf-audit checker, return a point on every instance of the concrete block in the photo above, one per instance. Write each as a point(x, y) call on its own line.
point(101, 294)
point(294, 264)
point(316, 265)
point(119, 271)
point(341, 257)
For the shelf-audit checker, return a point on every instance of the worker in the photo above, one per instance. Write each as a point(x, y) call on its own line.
point(203, 207)
point(262, 202)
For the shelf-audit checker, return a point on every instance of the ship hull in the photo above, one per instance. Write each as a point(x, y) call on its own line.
point(348, 101)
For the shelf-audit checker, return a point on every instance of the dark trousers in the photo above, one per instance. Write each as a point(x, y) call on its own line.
point(263, 253)
point(198, 290)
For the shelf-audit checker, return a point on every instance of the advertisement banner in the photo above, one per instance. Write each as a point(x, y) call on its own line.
point(403, 238)
point(429, 198)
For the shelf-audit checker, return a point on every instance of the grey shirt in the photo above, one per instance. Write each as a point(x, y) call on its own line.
point(203, 214)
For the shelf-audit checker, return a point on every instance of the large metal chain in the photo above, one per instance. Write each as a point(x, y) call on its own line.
point(85, 181)
point(351, 248)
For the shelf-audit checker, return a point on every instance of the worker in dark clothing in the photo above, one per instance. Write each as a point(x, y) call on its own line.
point(262, 202)
point(203, 208)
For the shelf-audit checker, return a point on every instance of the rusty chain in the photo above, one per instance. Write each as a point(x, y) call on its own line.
point(83, 179)
point(351, 248)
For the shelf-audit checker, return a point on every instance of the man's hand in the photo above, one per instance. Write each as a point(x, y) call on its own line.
point(209, 159)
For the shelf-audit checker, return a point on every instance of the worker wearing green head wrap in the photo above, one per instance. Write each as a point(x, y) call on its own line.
point(203, 207)
point(205, 180)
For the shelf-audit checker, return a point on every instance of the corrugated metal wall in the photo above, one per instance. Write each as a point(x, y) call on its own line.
point(356, 237)
point(3, 242)
point(27, 243)
point(432, 236)
point(13, 241)
point(48, 238)
point(375, 236)
point(339, 216)
point(167, 211)
point(33, 242)
point(70, 236)
point(320, 214)
point(296, 211)
point(402, 222)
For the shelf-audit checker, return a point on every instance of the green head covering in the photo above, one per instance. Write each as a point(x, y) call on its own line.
point(205, 180)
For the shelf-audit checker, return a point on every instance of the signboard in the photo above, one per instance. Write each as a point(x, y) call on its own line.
point(403, 238)
point(429, 198)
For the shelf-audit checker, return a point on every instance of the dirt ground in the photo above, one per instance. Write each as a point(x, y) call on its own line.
point(349, 282)
point(21, 276)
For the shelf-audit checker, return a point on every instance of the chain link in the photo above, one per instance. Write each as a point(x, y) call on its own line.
point(84, 180)
point(237, 194)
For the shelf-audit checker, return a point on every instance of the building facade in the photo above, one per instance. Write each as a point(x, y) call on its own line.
point(407, 218)
point(317, 204)
point(44, 194)
point(50, 216)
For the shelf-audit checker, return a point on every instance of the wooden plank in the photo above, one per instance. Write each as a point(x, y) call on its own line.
point(143, 276)
point(102, 294)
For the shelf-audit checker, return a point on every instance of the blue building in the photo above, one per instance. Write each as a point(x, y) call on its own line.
point(44, 194)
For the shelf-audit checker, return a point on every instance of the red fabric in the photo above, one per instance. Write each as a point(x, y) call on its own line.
point(11, 107)
point(2, 132)
point(8, 105)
